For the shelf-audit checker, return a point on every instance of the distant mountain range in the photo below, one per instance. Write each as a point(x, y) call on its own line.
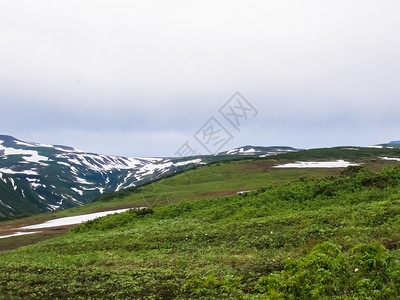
point(36, 178)
point(392, 144)
point(259, 151)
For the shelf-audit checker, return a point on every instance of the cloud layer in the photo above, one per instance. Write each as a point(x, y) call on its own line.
point(139, 78)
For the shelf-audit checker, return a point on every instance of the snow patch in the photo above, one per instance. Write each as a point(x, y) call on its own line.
point(390, 158)
point(33, 182)
point(8, 206)
point(13, 183)
point(83, 181)
point(26, 172)
point(318, 164)
point(27, 155)
point(66, 150)
point(184, 163)
point(1, 177)
point(53, 207)
point(77, 191)
point(73, 220)
point(24, 144)
point(18, 234)
point(241, 150)
point(243, 192)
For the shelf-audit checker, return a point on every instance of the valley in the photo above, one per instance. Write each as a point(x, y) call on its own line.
point(220, 230)
point(36, 178)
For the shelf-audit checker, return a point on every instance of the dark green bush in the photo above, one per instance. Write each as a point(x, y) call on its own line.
point(366, 271)
point(114, 220)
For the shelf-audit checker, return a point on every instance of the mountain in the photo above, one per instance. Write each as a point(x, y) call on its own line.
point(259, 150)
point(392, 144)
point(37, 178)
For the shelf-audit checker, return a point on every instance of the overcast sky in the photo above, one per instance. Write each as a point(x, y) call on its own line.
point(140, 78)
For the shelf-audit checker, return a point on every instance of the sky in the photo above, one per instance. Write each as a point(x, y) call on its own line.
point(144, 78)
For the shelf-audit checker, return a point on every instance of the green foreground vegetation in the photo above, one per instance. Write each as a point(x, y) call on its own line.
point(308, 239)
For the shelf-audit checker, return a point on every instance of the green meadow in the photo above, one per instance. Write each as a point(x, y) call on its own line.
point(298, 234)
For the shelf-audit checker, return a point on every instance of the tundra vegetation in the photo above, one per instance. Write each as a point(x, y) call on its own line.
point(334, 237)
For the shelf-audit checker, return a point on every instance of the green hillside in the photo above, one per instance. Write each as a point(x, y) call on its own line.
point(313, 237)
point(213, 180)
point(227, 178)
point(226, 175)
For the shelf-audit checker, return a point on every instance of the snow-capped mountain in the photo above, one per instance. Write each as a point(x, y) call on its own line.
point(37, 178)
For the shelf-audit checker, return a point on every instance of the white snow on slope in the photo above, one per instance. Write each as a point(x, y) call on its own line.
point(124, 181)
point(73, 220)
point(53, 207)
point(151, 168)
point(77, 191)
point(242, 151)
point(83, 181)
point(26, 172)
point(318, 164)
point(390, 158)
point(4, 204)
point(13, 184)
point(103, 163)
point(32, 144)
point(17, 234)
point(27, 155)
point(33, 182)
point(24, 144)
point(66, 150)
point(193, 161)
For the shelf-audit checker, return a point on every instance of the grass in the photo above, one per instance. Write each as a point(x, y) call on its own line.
point(229, 247)
point(205, 182)
point(214, 180)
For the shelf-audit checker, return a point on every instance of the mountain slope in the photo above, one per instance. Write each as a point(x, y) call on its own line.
point(391, 145)
point(39, 178)
point(259, 151)
point(230, 177)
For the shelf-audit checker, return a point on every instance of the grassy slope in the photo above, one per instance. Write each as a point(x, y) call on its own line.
point(217, 247)
point(227, 178)
point(213, 180)
point(205, 182)
point(154, 256)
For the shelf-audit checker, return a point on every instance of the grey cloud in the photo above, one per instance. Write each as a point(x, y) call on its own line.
point(153, 68)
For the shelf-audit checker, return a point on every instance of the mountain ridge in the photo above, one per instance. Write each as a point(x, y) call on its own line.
point(38, 177)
